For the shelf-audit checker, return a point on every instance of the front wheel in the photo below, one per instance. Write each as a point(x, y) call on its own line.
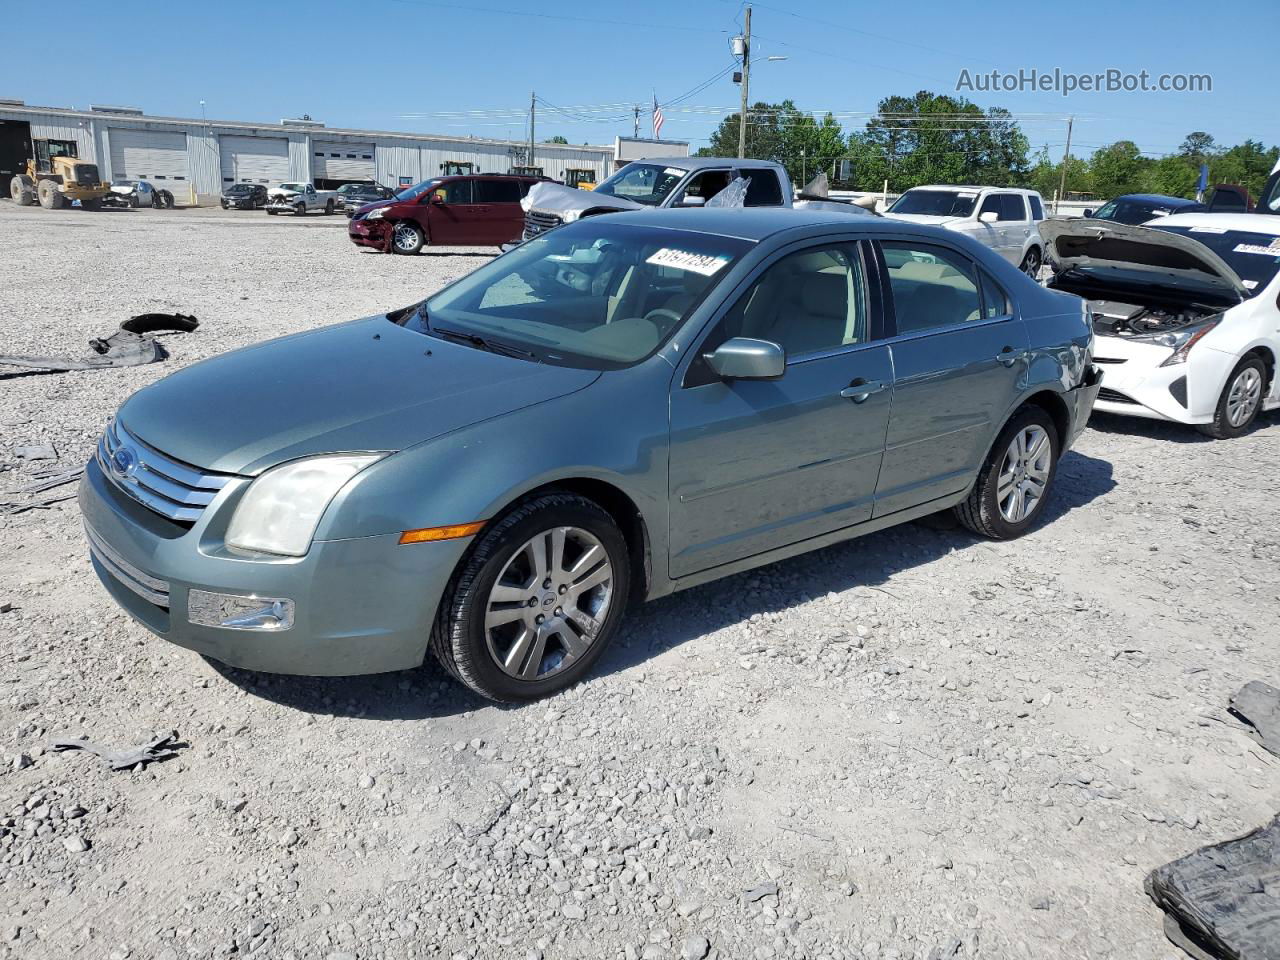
point(272, 213)
point(536, 600)
point(406, 237)
point(1240, 401)
point(300, 210)
point(1015, 479)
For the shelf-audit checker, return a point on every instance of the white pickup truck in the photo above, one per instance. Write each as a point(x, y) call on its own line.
point(300, 198)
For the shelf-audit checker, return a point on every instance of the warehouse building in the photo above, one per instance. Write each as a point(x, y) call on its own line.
point(196, 159)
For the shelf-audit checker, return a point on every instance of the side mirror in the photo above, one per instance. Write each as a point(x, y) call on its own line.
point(1088, 212)
point(743, 358)
point(693, 202)
point(436, 197)
point(989, 217)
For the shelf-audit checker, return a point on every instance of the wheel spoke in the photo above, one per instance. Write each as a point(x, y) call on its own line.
point(555, 551)
point(1005, 487)
point(588, 625)
point(502, 615)
point(502, 593)
point(515, 658)
point(574, 645)
point(589, 559)
point(596, 577)
point(1038, 445)
point(537, 553)
point(537, 649)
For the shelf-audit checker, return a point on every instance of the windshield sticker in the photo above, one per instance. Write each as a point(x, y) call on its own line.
point(1249, 284)
point(704, 263)
point(673, 171)
point(967, 195)
point(1270, 250)
point(1207, 229)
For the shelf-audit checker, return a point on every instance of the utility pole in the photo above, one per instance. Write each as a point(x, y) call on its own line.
point(1066, 155)
point(533, 111)
point(635, 130)
point(746, 80)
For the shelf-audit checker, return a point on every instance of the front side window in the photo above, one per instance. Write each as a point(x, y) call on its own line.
point(588, 294)
point(645, 183)
point(705, 185)
point(990, 205)
point(456, 191)
point(932, 286)
point(762, 188)
point(807, 302)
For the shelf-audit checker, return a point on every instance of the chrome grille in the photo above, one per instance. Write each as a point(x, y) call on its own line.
point(172, 489)
point(536, 223)
point(149, 588)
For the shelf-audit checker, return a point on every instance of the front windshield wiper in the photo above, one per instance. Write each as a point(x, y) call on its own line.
point(482, 343)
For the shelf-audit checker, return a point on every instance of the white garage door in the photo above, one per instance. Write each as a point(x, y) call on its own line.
point(254, 159)
point(341, 161)
point(153, 155)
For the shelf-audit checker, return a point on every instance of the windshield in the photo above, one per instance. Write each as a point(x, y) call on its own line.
point(646, 183)
point(589, 294)
point(239, 188)
point(122, 183)
point(295, 187)
point(417, 190)
point(1255, 257)
point(936, 203)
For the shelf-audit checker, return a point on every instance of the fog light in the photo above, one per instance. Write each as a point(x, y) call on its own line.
point(233, 612)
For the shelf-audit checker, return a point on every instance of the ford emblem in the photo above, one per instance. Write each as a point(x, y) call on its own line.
point(124, 462)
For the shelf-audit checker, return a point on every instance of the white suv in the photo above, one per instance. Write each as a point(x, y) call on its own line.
point(1002, 218)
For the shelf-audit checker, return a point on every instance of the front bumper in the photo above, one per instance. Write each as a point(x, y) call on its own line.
point(370, 233)
point(361, 606)
point(1135, 384)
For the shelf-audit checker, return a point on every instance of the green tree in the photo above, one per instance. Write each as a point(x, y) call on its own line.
point(1117, 168)
point(1247, 164)
point(556, 139)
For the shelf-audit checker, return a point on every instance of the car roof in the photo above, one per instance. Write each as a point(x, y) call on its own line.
point(1246, 222)
point(698, 163)
point(1157, 198)
point(758, 223)
point(960, 186)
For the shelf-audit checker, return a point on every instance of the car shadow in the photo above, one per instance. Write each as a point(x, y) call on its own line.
point(1118, 424)
point(428, 692)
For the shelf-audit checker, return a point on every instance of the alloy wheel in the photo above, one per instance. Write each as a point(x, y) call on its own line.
point(1242, 400)
point(1024, 474)
point(1031, 264)
point(405, 237)
point(549, 603)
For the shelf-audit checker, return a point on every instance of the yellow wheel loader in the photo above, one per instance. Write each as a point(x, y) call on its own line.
point(56, 178)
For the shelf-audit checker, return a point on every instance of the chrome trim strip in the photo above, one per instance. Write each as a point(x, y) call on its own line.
point(152, 589)
point(165, 465)
point(160, 483)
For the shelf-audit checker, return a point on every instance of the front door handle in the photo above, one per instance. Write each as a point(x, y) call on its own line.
point(1009, 356)
point(860, 389)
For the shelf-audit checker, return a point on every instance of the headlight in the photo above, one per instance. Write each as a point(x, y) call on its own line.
point(375, 214)
point(1180, 341)
point(279, 512)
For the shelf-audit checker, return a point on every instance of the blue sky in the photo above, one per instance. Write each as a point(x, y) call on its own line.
point(465, 68)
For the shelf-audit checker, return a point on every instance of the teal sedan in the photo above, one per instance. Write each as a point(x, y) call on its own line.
point(615, 410)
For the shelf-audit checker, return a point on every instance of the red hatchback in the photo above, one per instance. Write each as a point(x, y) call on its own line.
point(480, 210)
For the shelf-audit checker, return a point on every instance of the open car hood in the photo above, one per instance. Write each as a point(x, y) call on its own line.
point(1168, 257)
point(558, 199)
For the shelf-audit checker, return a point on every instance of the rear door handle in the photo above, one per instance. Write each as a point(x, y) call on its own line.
point(1009, 356)
point(860, 389)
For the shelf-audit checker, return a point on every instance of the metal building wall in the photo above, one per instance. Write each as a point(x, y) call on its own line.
point(299, 156)
point(397, 158)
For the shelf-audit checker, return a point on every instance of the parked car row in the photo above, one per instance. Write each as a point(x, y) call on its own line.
point(301, 198)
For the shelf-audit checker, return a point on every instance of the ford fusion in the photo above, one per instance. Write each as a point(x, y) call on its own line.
point(1186, 313)
point(613, 411)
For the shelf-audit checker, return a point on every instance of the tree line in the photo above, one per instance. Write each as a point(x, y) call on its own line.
point(936, 138)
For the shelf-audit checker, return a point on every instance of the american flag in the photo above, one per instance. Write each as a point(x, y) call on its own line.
point(657, 119)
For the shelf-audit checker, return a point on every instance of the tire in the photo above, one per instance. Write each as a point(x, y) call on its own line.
point(272, 213)
point(300, 210)
point(469, 650)
point(328, 209)
point(406, 237)
point(50, 197)
point(1031, 263)
point(22, 190)
point(1240, 401)
point(985, 511)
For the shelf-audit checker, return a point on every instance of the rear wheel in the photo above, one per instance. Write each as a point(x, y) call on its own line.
point(51, 197)
point(1240, 401)
point(536, 601)
point(22, 190)
point(406, 237)
point(1015, 479)
point(328, 208)
point(1031, 263)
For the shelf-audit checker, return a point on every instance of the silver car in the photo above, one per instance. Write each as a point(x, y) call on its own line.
point(622, 408)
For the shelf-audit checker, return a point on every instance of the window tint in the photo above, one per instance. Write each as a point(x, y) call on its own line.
point(497, 191)
point(457, 191)
point(932, 287)
point(995, 303)
point(990, 205)
point(1037, 208)
point(1012, 207)
point(705, 185)
point(763, 189)
point(806, 302)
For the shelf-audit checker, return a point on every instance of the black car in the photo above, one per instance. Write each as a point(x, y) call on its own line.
point(356, 195)
point(244, 196)
point(1136, 209)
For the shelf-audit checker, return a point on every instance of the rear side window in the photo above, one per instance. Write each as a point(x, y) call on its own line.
point(932, 286)
point(763, 189)
point(497, 191)
point(1012, 207)
point(995, 303)
point(1037, 208)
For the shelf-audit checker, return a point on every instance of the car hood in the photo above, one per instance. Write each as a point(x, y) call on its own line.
point(561, 200)
point(365, 385)
point(125, 188)
point(922, 218)
point(1170, 258)
point(366, 206)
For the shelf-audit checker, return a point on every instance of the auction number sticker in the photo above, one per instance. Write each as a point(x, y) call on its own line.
point(704, 263)
point(1270, 250)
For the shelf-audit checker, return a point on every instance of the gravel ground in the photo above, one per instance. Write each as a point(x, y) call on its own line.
point(917, 745)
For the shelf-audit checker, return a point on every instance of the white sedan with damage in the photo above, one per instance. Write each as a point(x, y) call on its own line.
point(1186, 313)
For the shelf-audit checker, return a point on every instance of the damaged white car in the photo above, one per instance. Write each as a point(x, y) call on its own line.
point(1185, 311)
